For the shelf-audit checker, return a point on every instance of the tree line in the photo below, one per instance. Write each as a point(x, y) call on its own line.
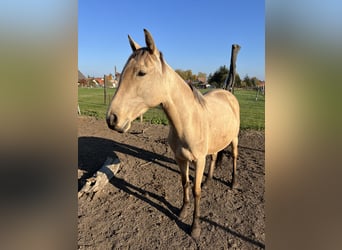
point(188, 76)
point(218, 77)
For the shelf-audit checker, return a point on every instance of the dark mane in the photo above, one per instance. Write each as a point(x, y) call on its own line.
point(198, 95)
point(162, 61)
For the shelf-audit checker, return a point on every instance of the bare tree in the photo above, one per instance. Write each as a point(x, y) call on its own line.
point(230, 80)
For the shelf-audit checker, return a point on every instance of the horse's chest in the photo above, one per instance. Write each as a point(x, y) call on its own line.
point(182, 152)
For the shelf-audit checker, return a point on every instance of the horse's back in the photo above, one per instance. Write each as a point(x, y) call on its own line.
point(224, 100)
point(223, 117)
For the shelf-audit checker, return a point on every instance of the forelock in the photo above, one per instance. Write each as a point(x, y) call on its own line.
point(144, 55)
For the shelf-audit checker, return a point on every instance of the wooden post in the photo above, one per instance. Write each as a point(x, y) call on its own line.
point(230, 80)
point(257, 93)
point(104, 89)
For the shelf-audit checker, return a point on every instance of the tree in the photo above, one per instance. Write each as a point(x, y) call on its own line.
point(254, 81)
point(250, 82)
point(230, 81)
point(247, 81)
point(202, 77)
point(237, 81)
point(219, 76)
point(186, 74)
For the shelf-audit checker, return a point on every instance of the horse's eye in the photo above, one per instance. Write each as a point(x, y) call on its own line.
point(141, 73)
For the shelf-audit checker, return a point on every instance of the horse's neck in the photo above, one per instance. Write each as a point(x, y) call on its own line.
point(180, 105)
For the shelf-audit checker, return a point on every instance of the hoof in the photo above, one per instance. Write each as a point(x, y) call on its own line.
point(206, 184)
point(236, 186)
point(195, 233)
point(184, 211)
point(234, 183)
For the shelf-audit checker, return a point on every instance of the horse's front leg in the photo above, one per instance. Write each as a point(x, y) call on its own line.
point(196, 228)
point(184, 169)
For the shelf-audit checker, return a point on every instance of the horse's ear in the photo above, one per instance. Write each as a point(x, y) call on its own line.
point(133, 44)
point(150, 43)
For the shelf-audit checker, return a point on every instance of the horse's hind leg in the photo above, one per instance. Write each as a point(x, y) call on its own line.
point(184, 169)
point(235, 155)
point(211, 170)
point(216, 160)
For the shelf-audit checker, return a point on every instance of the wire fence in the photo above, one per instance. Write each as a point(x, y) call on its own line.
point(252, 107)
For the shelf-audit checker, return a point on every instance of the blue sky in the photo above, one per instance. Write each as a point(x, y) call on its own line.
point(194, 35)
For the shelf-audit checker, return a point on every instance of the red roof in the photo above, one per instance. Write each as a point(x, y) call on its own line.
point(99, 80)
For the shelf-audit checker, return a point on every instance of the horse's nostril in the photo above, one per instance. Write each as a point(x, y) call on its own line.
point(111, 120)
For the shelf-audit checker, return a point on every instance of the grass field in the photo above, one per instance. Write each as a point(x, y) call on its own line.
point(252, 112)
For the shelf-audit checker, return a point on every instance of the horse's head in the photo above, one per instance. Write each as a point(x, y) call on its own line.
point(140, 86)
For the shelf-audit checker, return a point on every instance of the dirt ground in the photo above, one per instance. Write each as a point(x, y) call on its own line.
point(138, 208)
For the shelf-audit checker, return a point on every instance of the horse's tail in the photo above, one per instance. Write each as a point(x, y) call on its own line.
point(219, 158)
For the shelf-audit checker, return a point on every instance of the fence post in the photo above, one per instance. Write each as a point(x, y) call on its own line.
point(104, 89)
point(257, 93)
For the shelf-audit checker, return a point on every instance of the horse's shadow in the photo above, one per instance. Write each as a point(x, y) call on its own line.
point(254, 242)
point(169, 210)
point(92, 153)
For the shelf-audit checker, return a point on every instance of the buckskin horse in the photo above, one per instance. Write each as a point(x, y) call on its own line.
point(200, 125)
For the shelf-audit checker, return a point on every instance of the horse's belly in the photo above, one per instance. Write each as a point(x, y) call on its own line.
point(218, 146)
point(221, 136)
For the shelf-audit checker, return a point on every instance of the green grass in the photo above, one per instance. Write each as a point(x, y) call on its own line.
point(91, 101)
point(252, 112)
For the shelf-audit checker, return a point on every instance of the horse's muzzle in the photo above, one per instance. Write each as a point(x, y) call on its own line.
point(112, 122)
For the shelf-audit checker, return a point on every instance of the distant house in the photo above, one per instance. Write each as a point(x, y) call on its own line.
point(204, 86)
point(202, 79)
point(112, 81)
point(261, 86)
point(99, 82)
point(82, 80)
point(117, 79)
